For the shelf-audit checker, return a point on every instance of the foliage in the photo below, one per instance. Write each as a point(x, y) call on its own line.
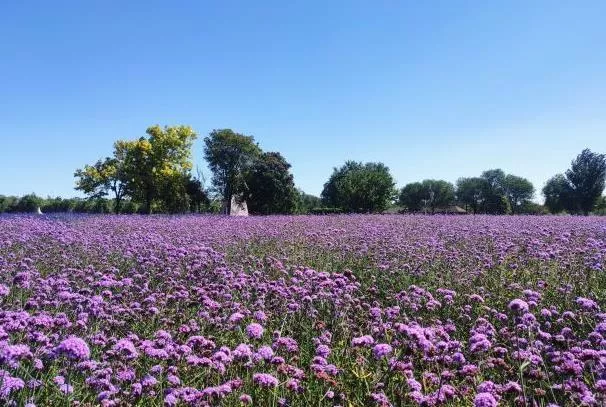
point(438, 193)
point(471, 192)
point(558, 194)
point(157, 166)
point(230, 156)
point(198, 198)
point(358, 187)
point(495, 192)
point(105, 175)
point(270, 187)
point(587, 177)
point(306, 202)
point(412, 197)
point(519, 192)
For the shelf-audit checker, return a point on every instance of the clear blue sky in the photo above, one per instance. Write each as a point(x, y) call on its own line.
point(432, 89)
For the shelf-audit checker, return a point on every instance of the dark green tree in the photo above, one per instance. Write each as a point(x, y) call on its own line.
point(198, 198)
point(412, 196)
point(471, 192)
point(518, 191)
point(438, 193)
point(270, 187)
point(307, 202)
point(358, 187)
point(586, 176)
point(230, 156)
point(558, 194)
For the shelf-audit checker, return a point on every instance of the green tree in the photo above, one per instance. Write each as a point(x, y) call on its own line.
point(496, 180)
point(307, 202)
point(230, 155)
point(157, 165)
point(270, 186)
point(438, 193)
point(518, 191)
point(495, 202)
point(358, 187)
point(558, 194)
point(198, 198)
point(586, 176)
point(106, 175)
point(471, 192)
point(412, 196)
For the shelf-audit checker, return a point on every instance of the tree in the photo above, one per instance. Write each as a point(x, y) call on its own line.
point(270, 186)
point(587, 175)
point(471, 192)
point(105, 175)
point(306, 202)
point(198, 199)
point(230, 155)
point(157, 165)
point(358, 187)
point(518, 191)
point(438, 193)
point(412, 196)
point(496, 180)
point(558, 194)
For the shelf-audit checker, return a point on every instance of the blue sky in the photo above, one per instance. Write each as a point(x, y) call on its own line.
point(438, 89)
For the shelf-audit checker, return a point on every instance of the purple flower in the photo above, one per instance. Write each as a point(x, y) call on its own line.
point(518, 305)
point(382, 350)
point(126, 348)
point(265, 352)
point(485, 400)
point(265, 380)
point(365, 340)
point(380, 399)
point(254, 331)
point(73, 348)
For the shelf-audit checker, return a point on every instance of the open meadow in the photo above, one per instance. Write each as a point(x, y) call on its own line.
point(355, 310)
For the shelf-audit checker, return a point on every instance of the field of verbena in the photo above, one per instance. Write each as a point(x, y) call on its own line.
point(303, 311)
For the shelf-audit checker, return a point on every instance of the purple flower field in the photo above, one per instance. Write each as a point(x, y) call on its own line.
point(301, 311)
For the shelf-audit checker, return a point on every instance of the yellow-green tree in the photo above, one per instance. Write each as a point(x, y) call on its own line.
point(103, 177)
point(158, 165)
point(152, 170)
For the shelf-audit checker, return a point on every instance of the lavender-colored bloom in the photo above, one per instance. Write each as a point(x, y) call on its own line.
point(73, 348)
point(518, 305)
point(9, 384)
point(126, 348)
point(265, 380)
point(254, 330)
point(365, 340)
point(265, 352)
point(485, 400)
point(382, 350)
point(245, 399)
point(380, 399)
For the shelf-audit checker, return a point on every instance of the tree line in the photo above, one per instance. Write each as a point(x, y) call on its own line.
point(154, 174)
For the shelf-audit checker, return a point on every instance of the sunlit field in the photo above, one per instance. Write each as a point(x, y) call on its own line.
point(302, 311)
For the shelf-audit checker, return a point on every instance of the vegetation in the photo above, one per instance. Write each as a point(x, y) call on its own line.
point(153, 174)
point(360, 188)
point(580, 190)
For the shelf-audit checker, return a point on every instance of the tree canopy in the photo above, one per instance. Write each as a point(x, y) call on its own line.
point(270, 187)
point(358, 187)
point(230, 156)
point(587, 176)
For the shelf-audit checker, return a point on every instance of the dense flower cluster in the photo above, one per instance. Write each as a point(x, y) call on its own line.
point(295, 311)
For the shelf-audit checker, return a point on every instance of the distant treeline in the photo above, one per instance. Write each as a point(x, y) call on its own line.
point(305, 204)
point(153, 174)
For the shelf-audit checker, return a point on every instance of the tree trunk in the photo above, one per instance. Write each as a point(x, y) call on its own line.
point(118, 204)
